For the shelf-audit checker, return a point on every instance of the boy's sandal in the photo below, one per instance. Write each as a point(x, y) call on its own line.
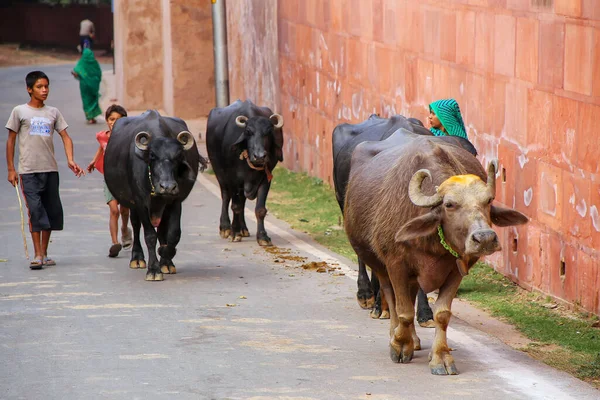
point(36, 264)
point(49, 261)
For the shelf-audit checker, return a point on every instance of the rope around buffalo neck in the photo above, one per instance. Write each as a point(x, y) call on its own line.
point(244, 156)
point(444, 244)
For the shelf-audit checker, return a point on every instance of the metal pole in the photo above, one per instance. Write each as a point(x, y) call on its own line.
point(220, 49)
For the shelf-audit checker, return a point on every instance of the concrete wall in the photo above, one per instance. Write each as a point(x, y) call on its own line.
point(163, 56)
point(40, 24)
point(526, 74)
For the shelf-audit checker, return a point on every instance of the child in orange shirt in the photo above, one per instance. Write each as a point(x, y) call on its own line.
point(112, 114)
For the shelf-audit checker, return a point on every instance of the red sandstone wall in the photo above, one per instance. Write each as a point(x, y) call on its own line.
point(143, 61)
point(193, 63)
point(526, 74)
point(252, 52)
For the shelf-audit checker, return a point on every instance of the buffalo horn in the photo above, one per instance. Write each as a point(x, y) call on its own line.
point(491, 177)
point(186, 139)
point(416, 195)
point(142, 139)
point(278, 123)
point(241, 121)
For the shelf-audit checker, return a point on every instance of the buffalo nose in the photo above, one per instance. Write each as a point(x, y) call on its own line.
point(260, 156)
point(169, 187)
point(484, 237)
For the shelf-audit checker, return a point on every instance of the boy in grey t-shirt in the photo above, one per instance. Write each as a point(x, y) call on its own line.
point(34, 123)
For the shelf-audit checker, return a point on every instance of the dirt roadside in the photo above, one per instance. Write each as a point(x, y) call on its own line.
point(14, 55)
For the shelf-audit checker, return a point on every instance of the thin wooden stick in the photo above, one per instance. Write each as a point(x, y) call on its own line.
point(22, 222)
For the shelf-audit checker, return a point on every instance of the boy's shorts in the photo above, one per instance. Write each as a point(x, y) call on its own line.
point(43, 201)
point(107, 194)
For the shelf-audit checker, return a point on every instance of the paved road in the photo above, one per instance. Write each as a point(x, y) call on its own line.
point(232, 324)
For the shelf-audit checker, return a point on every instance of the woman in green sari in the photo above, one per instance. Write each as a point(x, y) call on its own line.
point(89, 74)
point(445, 119)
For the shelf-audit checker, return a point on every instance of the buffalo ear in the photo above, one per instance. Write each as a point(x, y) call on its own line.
point(507, 216)
point(187, 172)
point(420, 226)
point(238, 145)
point(278, 135)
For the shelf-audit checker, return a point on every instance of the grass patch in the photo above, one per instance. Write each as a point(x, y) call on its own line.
point(564, 340)
point(309, 205)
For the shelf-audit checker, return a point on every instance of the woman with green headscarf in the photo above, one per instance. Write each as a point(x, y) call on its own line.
point(445, 119)
point(89, 74)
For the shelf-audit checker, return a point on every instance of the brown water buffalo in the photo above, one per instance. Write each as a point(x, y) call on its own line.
point(420, 213)
point(345, 138)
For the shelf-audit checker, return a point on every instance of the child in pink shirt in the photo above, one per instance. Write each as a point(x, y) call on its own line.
point(113, 113)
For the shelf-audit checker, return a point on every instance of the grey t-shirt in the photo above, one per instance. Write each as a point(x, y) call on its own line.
point(35, 127)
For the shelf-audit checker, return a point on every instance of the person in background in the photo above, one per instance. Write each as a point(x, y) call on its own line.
point(87, 32)
point(89, 74)
point(445, 118)
point(113, 113)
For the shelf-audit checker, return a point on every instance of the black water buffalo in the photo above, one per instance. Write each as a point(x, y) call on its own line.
point(151, 164)
point(244, 144)
point(429, 223)
point(345, 139)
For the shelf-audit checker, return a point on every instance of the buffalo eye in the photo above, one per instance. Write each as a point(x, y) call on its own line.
point(152, 156)
point(449, 205)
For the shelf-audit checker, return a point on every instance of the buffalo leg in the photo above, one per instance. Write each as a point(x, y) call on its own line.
point(440, 360)
point(402, 315)
point(380, 308)
point(413, 330)
point(137, 253)
point(151, 237)
point(424, 313)
point(238, 211)
point(261, 212)
point(169, 236)
point(225, 222)
point(243, 226)
point(385, 308)
point(365, 295)
point(400, 350)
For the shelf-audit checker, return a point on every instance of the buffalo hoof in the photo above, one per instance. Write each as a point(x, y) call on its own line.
point(427, 324)
point(168, 269)
point(154, 276)
point(442, 365)
point(365, 302)
point(385, 314)
point(245, 233)
point(225, 233)
point(375, 313)
point(237, 237)
point(264, 242)
point(137, 264)
point(443, 369)
point(401, 356)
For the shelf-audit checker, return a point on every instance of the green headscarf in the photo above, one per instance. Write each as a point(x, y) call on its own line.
point(90, 76)
point(448, 113)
